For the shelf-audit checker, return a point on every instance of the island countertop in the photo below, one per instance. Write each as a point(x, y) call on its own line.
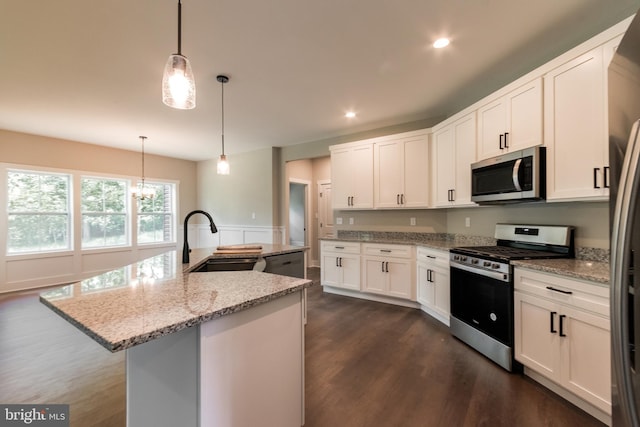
point(154, 297)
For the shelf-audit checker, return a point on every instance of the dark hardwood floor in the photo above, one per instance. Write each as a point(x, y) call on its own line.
point(367, 364)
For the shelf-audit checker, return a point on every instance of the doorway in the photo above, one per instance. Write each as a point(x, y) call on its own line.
point(298, 212)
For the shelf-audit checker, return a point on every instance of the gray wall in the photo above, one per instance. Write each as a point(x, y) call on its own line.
point(248, 189)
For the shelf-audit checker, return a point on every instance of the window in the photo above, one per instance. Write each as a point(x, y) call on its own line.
point(156, 215)
point(38, 211)
point(104, 212)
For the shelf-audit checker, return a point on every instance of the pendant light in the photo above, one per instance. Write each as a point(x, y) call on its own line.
point(178, 83)
point(223, 164)
point(141, 191)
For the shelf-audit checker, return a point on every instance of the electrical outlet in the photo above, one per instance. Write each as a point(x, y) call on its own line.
point(339, 220)
point(351, 221)
point(467, 222)
point(412, 221)
point(253, 215)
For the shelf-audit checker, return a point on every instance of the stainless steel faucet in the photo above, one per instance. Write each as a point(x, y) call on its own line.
point(185, 247)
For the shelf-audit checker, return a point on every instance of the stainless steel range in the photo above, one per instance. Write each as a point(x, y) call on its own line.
point(482, 285)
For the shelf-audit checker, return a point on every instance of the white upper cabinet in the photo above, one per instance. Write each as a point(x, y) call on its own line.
point(454, 149)
point(511, 122)
point(576, 130)
point(352, 176)
point(401, 172)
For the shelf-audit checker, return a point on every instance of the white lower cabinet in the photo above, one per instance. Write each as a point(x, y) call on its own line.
point(340, 264)
point(388, 270)
point(432, 278)
point(562, 332)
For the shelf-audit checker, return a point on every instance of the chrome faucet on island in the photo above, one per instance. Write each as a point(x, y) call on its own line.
point(185, 246)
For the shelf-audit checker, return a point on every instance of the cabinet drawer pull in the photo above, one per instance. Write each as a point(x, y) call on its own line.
point(551, 288)
point(562, 316)
point(431, 256)
point(385, 250)
point(552, 316)
point(506, 143)
point(595, 177)
point(339, 247)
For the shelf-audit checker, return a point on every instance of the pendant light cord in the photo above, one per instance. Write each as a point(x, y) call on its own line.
point(142, 138)
point(179, 27)
point(222, 83)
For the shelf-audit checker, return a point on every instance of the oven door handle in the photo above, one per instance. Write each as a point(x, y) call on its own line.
point(514, 176)
point(491, 274)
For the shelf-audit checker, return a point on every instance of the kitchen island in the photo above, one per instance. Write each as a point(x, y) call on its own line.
point(212, 348)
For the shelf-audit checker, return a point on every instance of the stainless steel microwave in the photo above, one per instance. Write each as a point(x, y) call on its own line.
point(519, 176)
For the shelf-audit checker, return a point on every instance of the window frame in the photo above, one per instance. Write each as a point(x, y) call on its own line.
point(27, 170)
point(127, 211)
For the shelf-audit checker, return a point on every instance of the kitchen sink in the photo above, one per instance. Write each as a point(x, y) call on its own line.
point(226, 264)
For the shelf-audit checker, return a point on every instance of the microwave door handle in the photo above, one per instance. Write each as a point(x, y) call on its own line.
point(516, 172)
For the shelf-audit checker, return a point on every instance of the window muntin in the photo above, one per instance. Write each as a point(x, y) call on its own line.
point(156, 215)
point(38, 211)
point(104, 212)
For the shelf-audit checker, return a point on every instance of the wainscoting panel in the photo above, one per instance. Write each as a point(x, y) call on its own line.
point(233, 235)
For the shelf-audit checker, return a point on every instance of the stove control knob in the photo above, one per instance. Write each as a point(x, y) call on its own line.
point(474, 261)
point(456, 257)
point(495, 266)
point(463, 259)
point(486, 264)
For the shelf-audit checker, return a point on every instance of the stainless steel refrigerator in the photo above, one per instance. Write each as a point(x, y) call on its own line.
point(624, 161)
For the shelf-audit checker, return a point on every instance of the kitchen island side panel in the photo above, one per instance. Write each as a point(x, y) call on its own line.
point(252, 366)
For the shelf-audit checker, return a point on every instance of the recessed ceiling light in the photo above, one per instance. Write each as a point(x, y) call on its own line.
point(440, 43)
point(350, 114)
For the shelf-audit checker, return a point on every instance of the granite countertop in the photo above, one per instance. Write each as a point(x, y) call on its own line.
point(154, 297)
point(593, 271)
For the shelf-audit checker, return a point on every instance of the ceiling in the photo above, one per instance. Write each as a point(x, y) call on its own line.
point(91, 71)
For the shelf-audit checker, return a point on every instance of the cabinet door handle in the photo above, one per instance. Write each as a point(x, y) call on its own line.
point(386, 267)
point(552, 316)
point(337, 262)
point(453, 194)
point(402, 199)
point(562, 334)
point(501, 147)
point(595, 177)
point(551, 288)
point(340, 261)
point(397, 199)
point(506, 143)
point(606, 177)
point(382, 266)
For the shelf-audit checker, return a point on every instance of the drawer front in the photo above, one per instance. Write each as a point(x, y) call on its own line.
point(432, 256)
point(396, 251)
point(571, 292)
point(341, 247)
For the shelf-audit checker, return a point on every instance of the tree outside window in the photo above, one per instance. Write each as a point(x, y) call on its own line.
point(155, 215)
point(38, 211)
point(104, 212)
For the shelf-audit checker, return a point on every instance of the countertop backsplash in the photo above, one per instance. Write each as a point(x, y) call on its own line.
point(452, 240)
